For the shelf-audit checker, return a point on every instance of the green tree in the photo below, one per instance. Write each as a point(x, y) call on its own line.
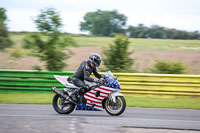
point(49, 44)
point(5, 41)
point(117, 56)
point(104, 23)
point(168, 67)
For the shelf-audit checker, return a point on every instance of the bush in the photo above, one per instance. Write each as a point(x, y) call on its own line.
point(16, 53)
point(117, 56)
point(36, 67)
point(168, 67)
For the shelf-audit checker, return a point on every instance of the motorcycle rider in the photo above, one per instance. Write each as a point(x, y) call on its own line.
point(83, 73)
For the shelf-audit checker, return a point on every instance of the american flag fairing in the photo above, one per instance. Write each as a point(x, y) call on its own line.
point(96, 100)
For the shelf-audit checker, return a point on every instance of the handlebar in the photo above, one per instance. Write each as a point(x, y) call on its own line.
point(102, 82)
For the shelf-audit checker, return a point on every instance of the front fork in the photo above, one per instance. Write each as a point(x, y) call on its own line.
point(112, 97)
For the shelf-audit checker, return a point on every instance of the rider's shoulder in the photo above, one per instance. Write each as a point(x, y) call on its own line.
point(85, 64)
point(86, 60)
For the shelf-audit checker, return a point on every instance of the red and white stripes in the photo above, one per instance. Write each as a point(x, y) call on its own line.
point(96, 101)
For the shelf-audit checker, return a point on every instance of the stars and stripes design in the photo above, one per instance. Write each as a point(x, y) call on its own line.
point(96, 100)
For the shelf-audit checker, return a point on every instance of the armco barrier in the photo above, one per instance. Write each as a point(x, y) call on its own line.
point(29, 81)
point(159, 85)
point(167, 85)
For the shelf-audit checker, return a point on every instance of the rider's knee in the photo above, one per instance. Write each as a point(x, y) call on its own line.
point(84, 89)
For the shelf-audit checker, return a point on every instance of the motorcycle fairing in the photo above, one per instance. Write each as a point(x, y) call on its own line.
point(63, 80)
point(95, 100)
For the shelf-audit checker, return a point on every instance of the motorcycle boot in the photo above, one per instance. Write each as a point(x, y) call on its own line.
point(74, 96)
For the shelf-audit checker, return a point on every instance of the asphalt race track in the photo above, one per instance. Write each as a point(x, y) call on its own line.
point(17, 118)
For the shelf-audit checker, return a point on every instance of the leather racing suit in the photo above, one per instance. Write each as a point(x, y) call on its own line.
point(83, 73)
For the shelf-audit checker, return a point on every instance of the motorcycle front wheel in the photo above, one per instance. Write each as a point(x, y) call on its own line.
point(117, 108)
point(62, 106)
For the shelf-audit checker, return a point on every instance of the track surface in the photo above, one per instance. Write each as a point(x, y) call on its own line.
point(16, 118)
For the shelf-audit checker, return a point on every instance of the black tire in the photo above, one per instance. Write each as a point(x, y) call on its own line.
point(57, 102)
point(120, 102)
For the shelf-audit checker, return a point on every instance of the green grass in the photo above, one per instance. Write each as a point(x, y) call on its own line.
point(143, 44)
point(132, 101)
point(176, 103)
point(31, 98)
point(136, 44)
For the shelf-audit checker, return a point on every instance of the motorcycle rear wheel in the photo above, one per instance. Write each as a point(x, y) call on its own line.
point(117, 108)
point(61, 106)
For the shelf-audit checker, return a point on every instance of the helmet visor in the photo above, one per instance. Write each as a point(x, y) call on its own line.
point(97, 62)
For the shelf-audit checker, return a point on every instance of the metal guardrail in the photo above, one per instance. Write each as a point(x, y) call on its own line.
point(167, 85)
point(159, 85)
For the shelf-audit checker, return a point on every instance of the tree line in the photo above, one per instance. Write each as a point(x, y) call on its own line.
point(110, 23)
point(156, 31)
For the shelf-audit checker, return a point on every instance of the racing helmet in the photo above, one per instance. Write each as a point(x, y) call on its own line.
point(95, 59)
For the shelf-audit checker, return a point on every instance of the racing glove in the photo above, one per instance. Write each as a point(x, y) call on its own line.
point(101, 80)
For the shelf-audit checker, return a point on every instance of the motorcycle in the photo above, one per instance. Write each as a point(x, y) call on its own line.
point(103, 95)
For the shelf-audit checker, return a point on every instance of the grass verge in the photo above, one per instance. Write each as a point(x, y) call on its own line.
point(132, 101)
point(136, 43)
point(151, 102)
point(26, 98)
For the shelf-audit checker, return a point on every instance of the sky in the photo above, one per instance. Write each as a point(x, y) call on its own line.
point(178, 14)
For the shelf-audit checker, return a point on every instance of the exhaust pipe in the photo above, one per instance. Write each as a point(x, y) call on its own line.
point(54, 89)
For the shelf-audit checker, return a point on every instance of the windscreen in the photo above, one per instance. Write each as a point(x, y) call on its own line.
point(109, 74)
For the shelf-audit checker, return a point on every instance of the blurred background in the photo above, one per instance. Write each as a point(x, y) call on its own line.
point(132, 36)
